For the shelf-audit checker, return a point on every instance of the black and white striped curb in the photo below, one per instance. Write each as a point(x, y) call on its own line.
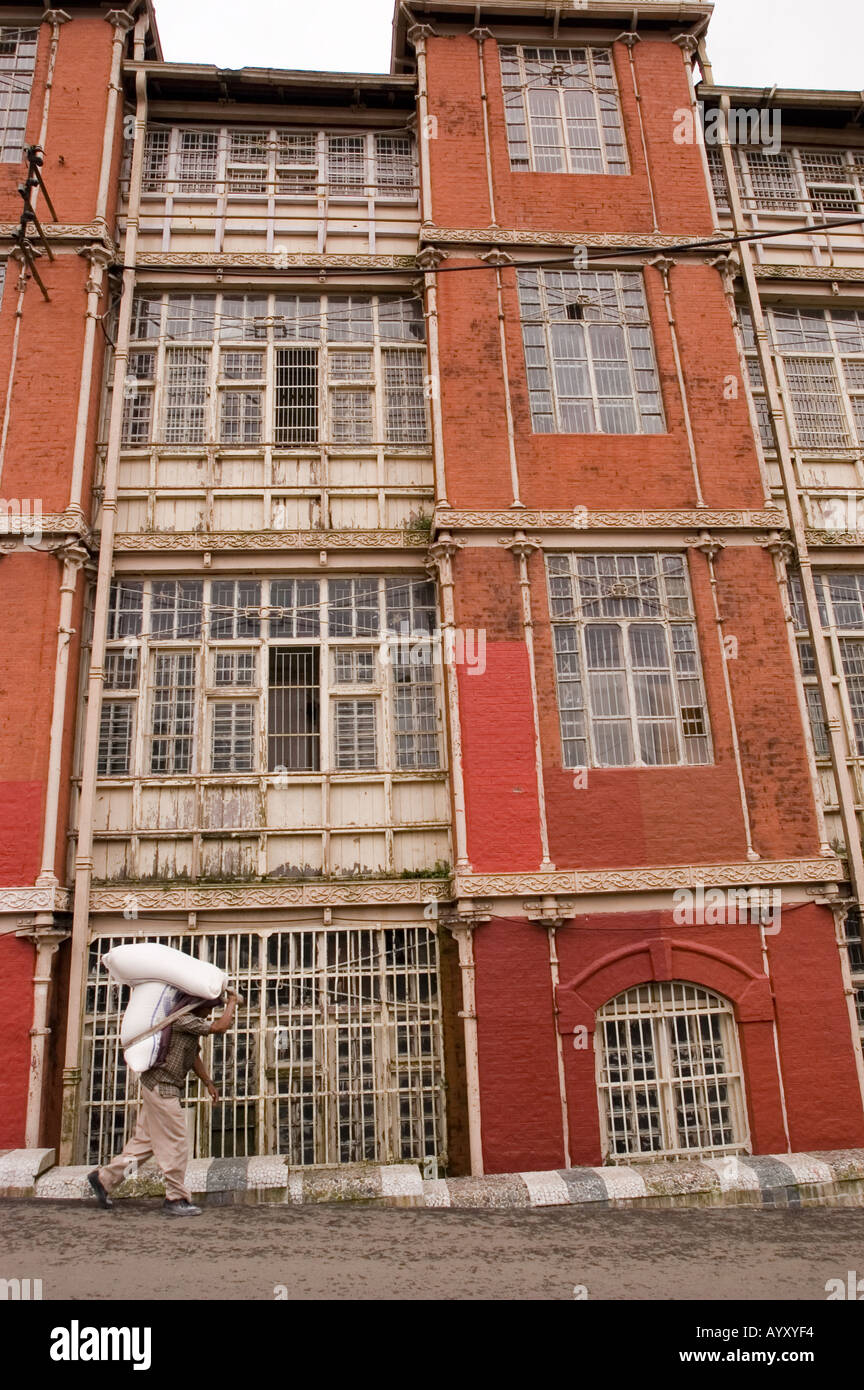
point(835, 1178)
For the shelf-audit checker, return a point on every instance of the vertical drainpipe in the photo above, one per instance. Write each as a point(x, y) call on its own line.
point(481, 35)
point(824, 670)
point(441, 554)
point(462, 927)
point(417, 36)
point(630, 40)
point(73, 557)
point(522, 548)
point(55, 18)
point(84, 849)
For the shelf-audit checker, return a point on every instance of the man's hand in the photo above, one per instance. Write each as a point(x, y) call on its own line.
point(213, 1092)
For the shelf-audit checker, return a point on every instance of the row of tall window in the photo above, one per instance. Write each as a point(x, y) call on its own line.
point(248, 162)
point(820, 362)
point(286, 369)
point(293, 675)
point(797, 179)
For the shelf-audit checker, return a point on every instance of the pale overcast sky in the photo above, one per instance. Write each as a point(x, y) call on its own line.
point(795, 43)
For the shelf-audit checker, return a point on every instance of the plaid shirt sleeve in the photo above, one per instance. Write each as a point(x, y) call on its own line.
point(191, 1024)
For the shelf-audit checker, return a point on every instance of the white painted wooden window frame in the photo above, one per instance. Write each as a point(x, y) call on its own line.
point(557, 62)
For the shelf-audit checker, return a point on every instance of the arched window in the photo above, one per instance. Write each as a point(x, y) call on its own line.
point(669, 1074)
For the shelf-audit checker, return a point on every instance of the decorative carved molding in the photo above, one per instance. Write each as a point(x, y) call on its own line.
point(49, 524)
point(576, 881)
point(809, 272)
point(821, 539)
point(272, 540)
point(67, 231)
point(49, 899)
point(766, 519)
point(491, 236)
point(308, 894)
point(276, 260)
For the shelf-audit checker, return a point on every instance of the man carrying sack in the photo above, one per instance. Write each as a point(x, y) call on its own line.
point(161, 1128)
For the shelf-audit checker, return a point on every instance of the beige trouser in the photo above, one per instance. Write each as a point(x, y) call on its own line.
point(160, 1133)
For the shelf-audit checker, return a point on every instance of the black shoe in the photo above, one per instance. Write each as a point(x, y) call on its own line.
point(180, 1208)
point(101, 1195)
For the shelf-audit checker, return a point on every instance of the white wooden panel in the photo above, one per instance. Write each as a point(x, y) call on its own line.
point(293, 472)
point(356, 803)
point(168, 808)
point(295, 513)
point(294, 805)
point(238, 513)
point(405, 511)
point(415, 850)
point(181, 472)
point(111, 860)
point(180, 513)
point(112, 809)
point(419, 801)
point(239, 472)
point(231, 806)
point(399, 472)
point(131, 514)
point(166, 859)
point(133, 473)
point(227, 859)
point(353, 472)
point(294, 856)
point(364, 854)
point(353, 513)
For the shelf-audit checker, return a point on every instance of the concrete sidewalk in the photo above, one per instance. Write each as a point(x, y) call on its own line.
point(771, 1180)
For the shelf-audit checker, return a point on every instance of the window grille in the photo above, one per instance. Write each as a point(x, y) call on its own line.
point(320, 389)
point(315, 638)
point(172, 712)
point(820, 357)
point(630, 689)
point(562, 111)
point(346, 162)
point(415, 711)
point(296, 164)
point(176, 609)
point(255, 164)
point(670, 1074)
point(233, 736)
point(354, 731)
point(394, 163)
point(800, 179)
point(589, 353)
point(718, 177)
point(295, 708)
point(115, 738)
point(335, 1057)
point(841, 605)
point(17, 64)
point(198, 161)
point(186, 395)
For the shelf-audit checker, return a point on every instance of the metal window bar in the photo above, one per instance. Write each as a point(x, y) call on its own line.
point(346, 164)
point(355, 743)
point(198, 161)
point(186, 378)
point(336, 1055)
point(115, 738)
point(296, 415)
point(125, 609)
point(404, 396)
point(172, 716)
point(294, 709)
point(415, 713)
point(669, 1074)
point(394, 166)
point(233, 736)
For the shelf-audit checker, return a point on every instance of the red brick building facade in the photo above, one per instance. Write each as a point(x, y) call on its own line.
point(575, 898)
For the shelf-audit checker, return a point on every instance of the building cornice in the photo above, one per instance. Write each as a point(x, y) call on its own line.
point(200, 897)
point(270, 260)
point(506, 236)
point(578, 882)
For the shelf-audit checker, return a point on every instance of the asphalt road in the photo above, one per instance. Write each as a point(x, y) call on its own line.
point(351, 1253)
